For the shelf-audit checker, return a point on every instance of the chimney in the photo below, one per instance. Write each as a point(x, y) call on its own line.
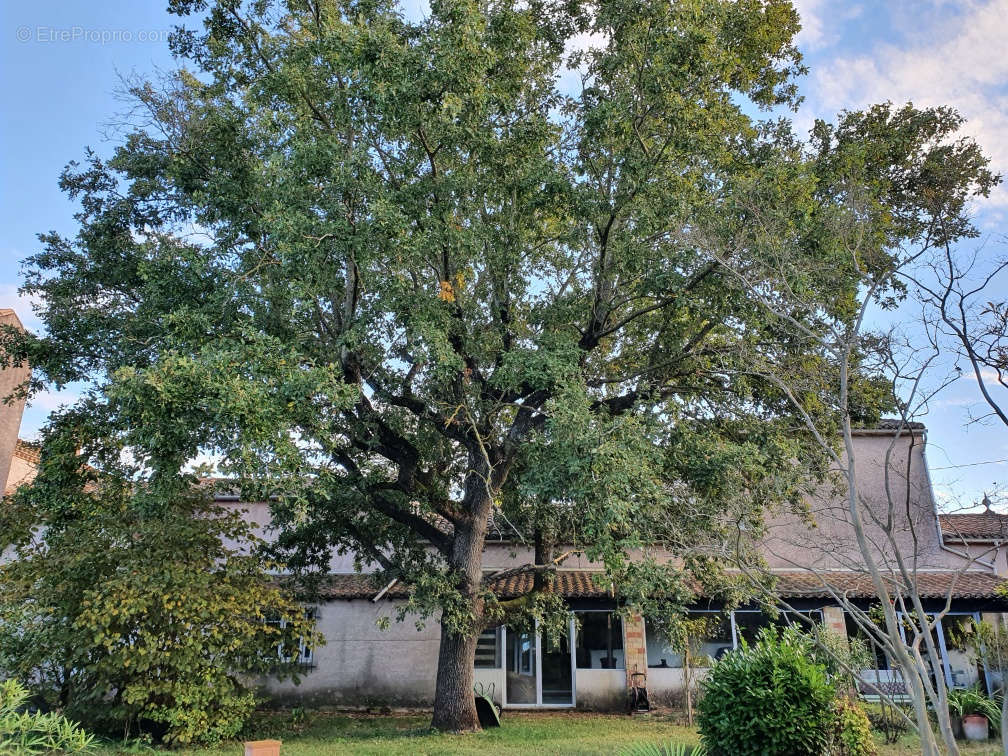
point(10, 414)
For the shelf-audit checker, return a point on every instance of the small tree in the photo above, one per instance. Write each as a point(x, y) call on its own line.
point(129, 612)
point(901, 181)
point(686, 637)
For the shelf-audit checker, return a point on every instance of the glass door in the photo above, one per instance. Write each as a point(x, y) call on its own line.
point(522, 678)
point(538, 671)
point(557, 681)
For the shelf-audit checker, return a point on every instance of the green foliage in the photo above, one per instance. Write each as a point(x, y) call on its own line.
point(965, 701)
point(664, 749)
point(129, 618)
point(769, 697)
point(433, 284)
point(842, 657)
point(852, 735)
point(22, 732)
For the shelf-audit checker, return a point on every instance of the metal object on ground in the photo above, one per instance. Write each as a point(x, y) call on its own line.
point(486, 709)
point(637, 696)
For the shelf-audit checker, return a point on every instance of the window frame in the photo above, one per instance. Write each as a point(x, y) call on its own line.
point(610, 634)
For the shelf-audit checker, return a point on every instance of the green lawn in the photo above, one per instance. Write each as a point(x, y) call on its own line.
point(314, 734)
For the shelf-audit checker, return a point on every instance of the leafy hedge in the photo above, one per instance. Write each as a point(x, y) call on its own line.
point(774, 697)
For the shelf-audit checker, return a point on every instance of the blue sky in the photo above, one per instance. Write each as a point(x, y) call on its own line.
point(61, 63)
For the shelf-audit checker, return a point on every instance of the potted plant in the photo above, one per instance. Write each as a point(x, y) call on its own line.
point(955, 711)
point(976, 710)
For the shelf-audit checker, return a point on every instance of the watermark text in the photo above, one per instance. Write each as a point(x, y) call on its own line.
point(53, 34)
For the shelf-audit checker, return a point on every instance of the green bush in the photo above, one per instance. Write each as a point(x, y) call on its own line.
point(135, 622)
point(24, 732)
point(770, 697)
point(852, 735)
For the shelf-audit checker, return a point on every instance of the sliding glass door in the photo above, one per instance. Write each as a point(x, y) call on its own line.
point(522, 669)
point(538, 671)
point(557, 683)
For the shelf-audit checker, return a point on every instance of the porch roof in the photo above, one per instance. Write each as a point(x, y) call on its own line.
point(581, 584)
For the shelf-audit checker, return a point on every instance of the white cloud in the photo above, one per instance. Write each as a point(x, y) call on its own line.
point(822, 21)
point(957, 61)
point(53, 400)
point(22, 305)
point(811, 14)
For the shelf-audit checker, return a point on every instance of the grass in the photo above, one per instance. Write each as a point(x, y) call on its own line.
point(317, 733)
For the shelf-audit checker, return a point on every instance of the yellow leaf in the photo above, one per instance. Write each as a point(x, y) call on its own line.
point(446, 294)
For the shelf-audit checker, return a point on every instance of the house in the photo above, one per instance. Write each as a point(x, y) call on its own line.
point(814, 559)
point(983, 537)
point(18, 459)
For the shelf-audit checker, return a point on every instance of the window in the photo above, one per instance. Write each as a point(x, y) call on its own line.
point(748, 623)
point(713, 645)
point(488, 649)
point(521, 652)
point(599, 641)
point(305, 658)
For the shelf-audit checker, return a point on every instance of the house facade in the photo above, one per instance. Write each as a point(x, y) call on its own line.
point(958, 561)
point(814, 560)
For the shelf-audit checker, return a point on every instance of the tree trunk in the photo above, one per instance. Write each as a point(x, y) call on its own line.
point(454, 700)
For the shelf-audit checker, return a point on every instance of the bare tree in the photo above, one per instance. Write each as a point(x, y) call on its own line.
point(959, 292)
point(888, 216)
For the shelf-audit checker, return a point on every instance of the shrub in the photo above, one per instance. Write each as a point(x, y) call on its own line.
point(886, 719)
point(770, 697)
point(852, 735)
point(147, 621)
point(28, 733)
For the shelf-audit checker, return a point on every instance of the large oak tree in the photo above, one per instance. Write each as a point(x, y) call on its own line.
point(409, 278)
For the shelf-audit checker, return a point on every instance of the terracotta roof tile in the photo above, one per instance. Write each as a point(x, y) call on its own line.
point(582, 584)
point(985, 525)
point(894, 423)
point(28, 452)
point(938, 584)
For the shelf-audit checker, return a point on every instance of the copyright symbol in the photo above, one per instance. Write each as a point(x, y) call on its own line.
point(24, 34)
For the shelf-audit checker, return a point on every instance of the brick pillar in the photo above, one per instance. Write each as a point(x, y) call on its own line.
point(634, 647)
point(833, 618)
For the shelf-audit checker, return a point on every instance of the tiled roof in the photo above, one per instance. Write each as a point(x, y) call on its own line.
point(985, 525)
point(582, 584)
point(888, 425)
point(894, 423)
point(28, 452)
point(569, 583)
point(937, 584)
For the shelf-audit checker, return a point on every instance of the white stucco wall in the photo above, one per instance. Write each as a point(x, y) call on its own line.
point(601, 689)
point(361, 665)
